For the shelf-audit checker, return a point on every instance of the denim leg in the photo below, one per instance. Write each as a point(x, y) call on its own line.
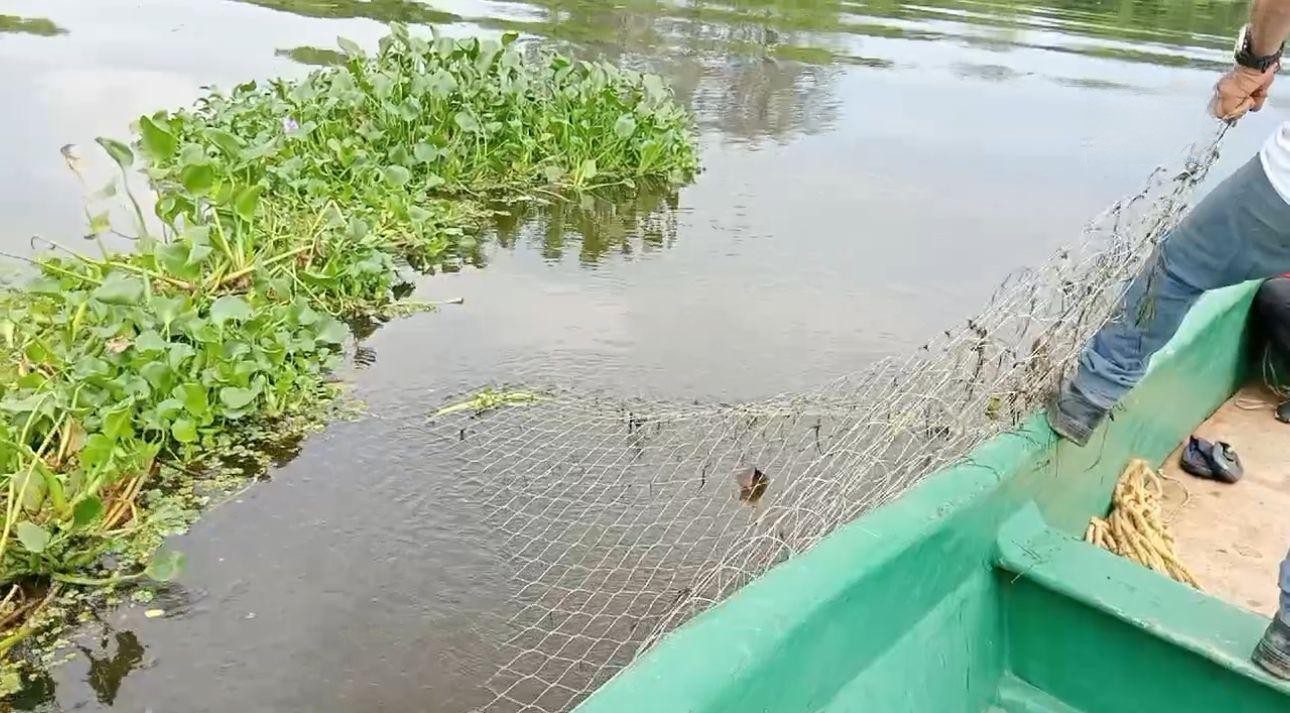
point(1284, 610)
point(1240, 231)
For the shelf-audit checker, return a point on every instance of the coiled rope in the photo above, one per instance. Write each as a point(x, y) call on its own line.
point(1136, 527)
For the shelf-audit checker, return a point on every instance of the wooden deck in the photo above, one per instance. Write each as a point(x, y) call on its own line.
point(1233, 537)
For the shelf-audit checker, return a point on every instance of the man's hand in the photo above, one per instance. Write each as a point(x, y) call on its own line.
point(1242, 89)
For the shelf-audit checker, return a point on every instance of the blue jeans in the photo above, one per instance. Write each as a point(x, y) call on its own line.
point(1239, 232)
point(1285, 590)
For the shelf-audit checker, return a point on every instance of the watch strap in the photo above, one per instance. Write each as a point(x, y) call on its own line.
point(1246, 57)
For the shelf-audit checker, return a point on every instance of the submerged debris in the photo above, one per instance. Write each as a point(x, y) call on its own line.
point(752, 485)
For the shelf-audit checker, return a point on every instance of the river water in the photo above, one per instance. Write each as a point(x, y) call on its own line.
point(872, 170)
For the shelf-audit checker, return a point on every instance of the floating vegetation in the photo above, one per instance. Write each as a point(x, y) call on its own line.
point(395, 155)
point(131, 381)
point(30, 26)
point(314, 56)
point(489, 399)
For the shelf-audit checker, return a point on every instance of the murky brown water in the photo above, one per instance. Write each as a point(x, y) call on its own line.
point(872, 170)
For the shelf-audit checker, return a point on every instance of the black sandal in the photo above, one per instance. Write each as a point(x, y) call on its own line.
point(1283, 412)
point(1215, 461)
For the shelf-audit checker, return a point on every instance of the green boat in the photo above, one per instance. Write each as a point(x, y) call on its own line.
point(976, 592)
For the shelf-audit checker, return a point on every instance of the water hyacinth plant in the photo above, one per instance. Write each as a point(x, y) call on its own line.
point(405, 147)
point(281, 208)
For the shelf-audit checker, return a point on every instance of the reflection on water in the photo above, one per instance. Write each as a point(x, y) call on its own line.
point(595, 226)
point(107, 658)
point(29, 26)
point(766, 68)
point(110, 664)
point(408, 11)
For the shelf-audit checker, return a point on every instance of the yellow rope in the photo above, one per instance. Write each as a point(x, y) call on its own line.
point(1136, 527)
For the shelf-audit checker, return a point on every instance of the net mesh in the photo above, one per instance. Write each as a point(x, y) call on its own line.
point(620, 519)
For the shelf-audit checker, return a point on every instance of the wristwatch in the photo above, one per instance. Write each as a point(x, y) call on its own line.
point(1245, 56)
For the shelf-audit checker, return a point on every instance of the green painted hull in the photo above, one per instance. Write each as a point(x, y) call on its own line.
point(974, 593)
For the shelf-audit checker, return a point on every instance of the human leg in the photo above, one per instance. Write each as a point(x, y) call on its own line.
point(1273, 650)
point(1241, 230)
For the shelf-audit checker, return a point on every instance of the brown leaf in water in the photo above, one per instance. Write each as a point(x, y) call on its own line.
point(752, 484)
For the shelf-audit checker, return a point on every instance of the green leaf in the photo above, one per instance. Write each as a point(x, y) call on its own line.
point(230, 307)
point(307, 315)
point(425, 153)
point(32, 536)
point(158, 374)
point(467, 122)
point(197, 254)
point(89, 366)
point(184, 430)
point(87, 511)
point(553, 173)
point(97, 450)
point(169, 409)
point(418, 215)
point(116, 424)
point(197, 234)
point(655, 89)
point(33, 495)
point(203, 331)
point(120, 289)
point(331, 331)
point(179, 351)
point(357, 229)
point(236, 397)
point(625, 126)
point(397, 175)
point(173, 257)
point(165, 565)
point(228, 143)
point(442, 83)
point(198, 178)
point(170, 309)
point(349, 47)
point(57, 493)
point(194, 398)
point(45, 286)
point(100, 223)
point(382, 85)
point(150, 341)
point(247, 200)
point(158, 142)
point(119, 152)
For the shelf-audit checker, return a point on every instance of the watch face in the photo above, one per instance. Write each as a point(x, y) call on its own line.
point(1240, 39)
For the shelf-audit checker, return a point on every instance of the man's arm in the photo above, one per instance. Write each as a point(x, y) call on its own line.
point(1245, 88)
point(1269, 25)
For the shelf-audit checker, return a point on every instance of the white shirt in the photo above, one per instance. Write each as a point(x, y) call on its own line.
point(1275, 157)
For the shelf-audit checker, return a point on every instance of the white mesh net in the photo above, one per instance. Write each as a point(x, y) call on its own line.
point(620, 519)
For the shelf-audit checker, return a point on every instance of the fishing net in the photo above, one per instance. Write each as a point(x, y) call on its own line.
point(620, 519)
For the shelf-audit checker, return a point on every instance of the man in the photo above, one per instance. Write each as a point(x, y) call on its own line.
point(1240, 231)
